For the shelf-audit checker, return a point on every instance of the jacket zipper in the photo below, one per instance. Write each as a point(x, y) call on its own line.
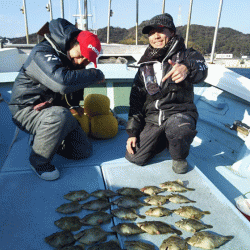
point(160, 112)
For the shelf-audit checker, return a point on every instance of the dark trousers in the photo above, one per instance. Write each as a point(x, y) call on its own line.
point(176, 134)
point(49, 128)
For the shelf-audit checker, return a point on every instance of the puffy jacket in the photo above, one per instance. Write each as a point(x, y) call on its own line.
point(48, 74)
point(172, 98)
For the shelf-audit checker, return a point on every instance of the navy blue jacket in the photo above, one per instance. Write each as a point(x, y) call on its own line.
point(48, 73)
point(173, 98)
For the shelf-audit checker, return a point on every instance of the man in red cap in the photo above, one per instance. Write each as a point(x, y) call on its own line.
point(50, 82)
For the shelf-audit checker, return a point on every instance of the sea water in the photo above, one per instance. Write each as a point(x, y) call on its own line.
point(242, 71)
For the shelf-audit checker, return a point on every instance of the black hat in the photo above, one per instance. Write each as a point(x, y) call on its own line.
point(163, 20)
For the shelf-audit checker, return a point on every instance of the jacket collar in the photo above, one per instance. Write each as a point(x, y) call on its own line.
point(176, 45)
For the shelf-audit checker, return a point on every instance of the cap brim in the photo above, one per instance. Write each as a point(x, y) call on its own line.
point(147, 29)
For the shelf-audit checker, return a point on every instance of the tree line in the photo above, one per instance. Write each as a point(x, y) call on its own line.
point(229, 41)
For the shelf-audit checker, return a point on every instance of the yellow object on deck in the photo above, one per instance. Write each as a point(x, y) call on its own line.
point(96, 104)
point(98, 121)
point(104, 126)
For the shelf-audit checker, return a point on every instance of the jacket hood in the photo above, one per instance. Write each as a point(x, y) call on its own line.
point(62, 32)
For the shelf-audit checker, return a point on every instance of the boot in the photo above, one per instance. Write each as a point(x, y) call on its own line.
point(180, 167)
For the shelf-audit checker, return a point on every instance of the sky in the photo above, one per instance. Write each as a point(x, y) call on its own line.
point(235, 14)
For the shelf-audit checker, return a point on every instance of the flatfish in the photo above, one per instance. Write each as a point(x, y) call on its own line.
point(158, 212)
point(69, 223)
point(127, 229)
point(69, 208)
point(178, 198)
point(77, 195)
point(175, 186)
point(157, 227)
point(156, 200)
point(138, 245)
point(75, 247)
point(174, 242)
point(109, 245)
point(127, 191)
point(126, 214)
point(190, 212)
point(97, 205)
point(92, 235)
point(208, 240)
point(60, 239)
point(129, 202)
point(152, 190)
point(107, 193)
point(96, 218)
point(191, 225)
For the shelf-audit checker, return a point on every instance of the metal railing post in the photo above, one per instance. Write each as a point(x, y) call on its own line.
point(216, 32)
point(188, 24)
point(108, 21)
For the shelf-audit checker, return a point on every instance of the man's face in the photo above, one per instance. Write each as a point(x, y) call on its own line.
point(75, 56)
point(159, 37)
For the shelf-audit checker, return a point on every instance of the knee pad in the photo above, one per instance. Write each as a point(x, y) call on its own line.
point(180, 126)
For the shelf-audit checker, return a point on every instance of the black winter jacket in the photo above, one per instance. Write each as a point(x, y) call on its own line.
point(48, 74)
point(173, 98)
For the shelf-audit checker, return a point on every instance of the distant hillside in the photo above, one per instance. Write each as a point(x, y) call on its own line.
point(200, 38)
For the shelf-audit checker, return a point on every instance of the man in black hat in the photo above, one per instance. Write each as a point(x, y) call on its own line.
point(162, 112)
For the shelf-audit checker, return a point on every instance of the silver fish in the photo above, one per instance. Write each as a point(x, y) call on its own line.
point(158, 212)
point(77, 195)
point(92, 235)
point(152, 190)
point(207, 240)
point(107, 193)
point(175, 186)
point(157, 200)
point(174, 242)
point(69, 223)
point(138, 245)
point(190, 212)
point(126, 214)
point(110, 245)
point(129, 202)
point(60, 239)
point(127, 229)
point(96, 218)
point(178, 198)
point(191, 225)
point(97, 205)
point(69, 208)
point(127, 191)
point(157, 227)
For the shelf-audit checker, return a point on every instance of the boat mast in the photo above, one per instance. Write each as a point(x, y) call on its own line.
point(23, 9)
point(85, 25)
point(62, 9)
point(136, 26)
point(216, 32)
point(109, 14)
point(49, 8)
point(188, 24)
point(80, 14)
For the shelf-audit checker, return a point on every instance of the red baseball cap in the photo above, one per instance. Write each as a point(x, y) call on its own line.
point(90, 45)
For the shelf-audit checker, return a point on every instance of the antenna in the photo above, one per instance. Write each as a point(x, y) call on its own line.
point(179, 21)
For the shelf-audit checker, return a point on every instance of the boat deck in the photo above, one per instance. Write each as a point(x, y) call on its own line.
point(28, 203)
